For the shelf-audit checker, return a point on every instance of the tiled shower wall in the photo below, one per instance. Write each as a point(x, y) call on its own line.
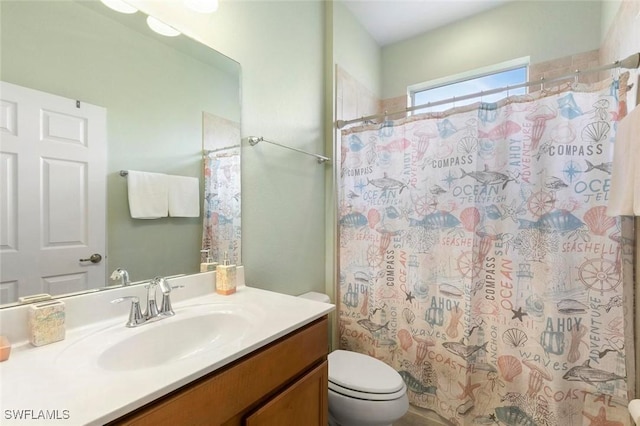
point(566, 65)
point(353, 99)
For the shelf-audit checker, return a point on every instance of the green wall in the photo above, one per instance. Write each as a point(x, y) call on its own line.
point(355, 50)
point(280, 46)
point(154, 96)
point(542, 30)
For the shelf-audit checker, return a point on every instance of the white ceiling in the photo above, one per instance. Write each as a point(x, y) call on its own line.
point(390, 21)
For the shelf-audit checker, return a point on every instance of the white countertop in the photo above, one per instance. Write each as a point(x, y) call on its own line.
point(60, 381)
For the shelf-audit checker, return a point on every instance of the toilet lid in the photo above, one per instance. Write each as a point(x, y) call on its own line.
point(362, 373)
point(367, 396)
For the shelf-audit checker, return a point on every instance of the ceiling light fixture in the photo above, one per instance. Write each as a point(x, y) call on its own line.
point(119, 6)
point(202, 6)
point(161, 28)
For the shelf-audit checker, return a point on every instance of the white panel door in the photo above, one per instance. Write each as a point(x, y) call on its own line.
point(52, 193)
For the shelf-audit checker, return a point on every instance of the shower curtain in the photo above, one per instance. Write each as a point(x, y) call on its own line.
point(476, 257)
point(221, 230)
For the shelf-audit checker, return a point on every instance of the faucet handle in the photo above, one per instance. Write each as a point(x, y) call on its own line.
point(165, 309)
point(152, 306)
point(164, 285)
point(135, 314)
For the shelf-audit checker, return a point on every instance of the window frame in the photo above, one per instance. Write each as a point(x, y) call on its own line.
point(522, 62)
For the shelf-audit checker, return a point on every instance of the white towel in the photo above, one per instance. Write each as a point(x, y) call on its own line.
point(148, 195)
point(624, 195)
point(184, 196)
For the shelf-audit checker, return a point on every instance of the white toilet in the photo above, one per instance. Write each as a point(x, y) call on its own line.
point(363, 391)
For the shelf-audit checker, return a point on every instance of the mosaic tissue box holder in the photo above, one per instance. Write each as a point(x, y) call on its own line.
point(46, 322)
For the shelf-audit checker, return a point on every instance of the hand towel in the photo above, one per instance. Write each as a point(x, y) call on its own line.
point(184, 196)
point(624, 195)
point(148, 195)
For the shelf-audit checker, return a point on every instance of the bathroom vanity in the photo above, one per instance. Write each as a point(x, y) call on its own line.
point(284, 383)
point(251, 358)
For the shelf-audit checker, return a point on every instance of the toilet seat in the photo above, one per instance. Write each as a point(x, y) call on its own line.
point(363, 377)
point(367, 396)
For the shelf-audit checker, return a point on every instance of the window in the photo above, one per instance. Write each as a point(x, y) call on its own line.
point(501, 75)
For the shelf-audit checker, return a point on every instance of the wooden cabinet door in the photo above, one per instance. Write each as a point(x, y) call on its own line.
point(303, 403)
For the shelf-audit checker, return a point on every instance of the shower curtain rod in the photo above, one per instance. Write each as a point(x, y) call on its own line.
point(253, 141)
point(206, 152)
point(630, 62)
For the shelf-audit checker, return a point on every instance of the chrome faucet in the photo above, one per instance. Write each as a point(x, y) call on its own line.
point(136, 317)
point(165, 309)
point(152, 313)
point(121, 274)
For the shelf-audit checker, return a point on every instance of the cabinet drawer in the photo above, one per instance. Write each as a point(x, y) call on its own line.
point(305, 402)
point(228, 393)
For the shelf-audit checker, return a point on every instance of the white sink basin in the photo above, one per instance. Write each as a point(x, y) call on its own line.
point(192, 331)
point(173, 339)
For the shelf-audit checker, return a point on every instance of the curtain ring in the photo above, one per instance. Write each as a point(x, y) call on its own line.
point(615, 70)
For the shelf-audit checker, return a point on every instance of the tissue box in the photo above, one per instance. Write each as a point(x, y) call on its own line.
point(46, 322)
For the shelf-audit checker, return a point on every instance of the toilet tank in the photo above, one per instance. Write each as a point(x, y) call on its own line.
point(318, 297)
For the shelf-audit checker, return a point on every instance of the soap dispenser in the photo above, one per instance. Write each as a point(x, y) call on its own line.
point(226, 277)
point(208, 264)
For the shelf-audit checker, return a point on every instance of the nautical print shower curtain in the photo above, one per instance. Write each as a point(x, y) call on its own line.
point(477, 258)
point(222, 210)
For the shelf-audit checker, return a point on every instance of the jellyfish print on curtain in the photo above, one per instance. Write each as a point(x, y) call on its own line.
point(477, 258)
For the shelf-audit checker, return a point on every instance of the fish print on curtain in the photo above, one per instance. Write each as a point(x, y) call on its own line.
point(222, 209)
point(477, 258)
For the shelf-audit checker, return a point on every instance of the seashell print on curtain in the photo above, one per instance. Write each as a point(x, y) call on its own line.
point(477, 258)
